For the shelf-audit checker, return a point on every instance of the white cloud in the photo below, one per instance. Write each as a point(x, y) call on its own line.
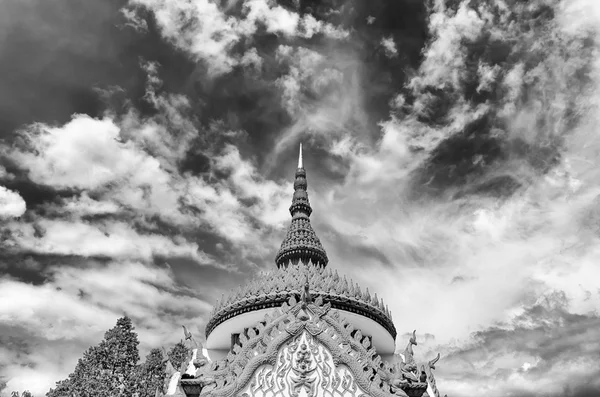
point(487, 75)
point(309, 26)
point(389, 46)
point(323, 93)
point(4, 174)
point(222, 207)
point(199, 27)
point(251, 58)
point(444, 57)
point(107, 239)
point(12, 204)
point(134, 20)
point(84, 205)
point(272, 199)
point(84, 153)
point(97, 155)
point(303, 66)
point(275, 18)
point(203, 29)
point(132, 173)
point(578, 16)
point(69, 313)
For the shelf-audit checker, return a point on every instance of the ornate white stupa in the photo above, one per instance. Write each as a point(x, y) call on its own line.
point(301, 330)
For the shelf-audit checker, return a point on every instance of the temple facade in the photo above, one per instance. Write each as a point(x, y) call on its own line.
point(301, 330)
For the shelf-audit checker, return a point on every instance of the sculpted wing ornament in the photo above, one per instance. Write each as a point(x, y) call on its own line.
point(432, 362)
point(431, 377)
point(169, 369)
point(186, 333)
point(188, 336)
point(165, 356)
point(409, 359)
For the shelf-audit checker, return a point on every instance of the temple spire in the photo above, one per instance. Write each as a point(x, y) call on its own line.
point(301, 244)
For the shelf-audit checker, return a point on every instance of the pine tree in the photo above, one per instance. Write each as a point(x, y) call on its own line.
point(118, 356)
point(151, 374)
point(179, 354)
point(106, 370)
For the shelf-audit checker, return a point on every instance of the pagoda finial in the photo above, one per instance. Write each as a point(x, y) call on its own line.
point(301, 244)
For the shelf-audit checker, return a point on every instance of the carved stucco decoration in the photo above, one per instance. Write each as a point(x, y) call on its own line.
point(271, 347)
point(321, 329)
point(406, 375)
point(304, 368)
point(275, 288)
point(430, 378)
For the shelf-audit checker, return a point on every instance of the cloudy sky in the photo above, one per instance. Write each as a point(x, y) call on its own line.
point(147, 149)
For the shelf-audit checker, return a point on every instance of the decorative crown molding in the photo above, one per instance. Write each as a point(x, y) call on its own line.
point(271, 290)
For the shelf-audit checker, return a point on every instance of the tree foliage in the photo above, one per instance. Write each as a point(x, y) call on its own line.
point(111, 368)
point(26, 393)
point(179, 354)
point(151, 374)
point(106, 370)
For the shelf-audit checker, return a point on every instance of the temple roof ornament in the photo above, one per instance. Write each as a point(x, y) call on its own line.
point(301, 243)
point(321, 334)
point(186, 333)
point(298, 343)
point(274, 288)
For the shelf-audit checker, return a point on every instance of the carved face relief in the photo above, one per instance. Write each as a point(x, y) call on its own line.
point(304, 368)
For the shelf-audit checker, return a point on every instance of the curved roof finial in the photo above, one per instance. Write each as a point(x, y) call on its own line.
point(300, 164)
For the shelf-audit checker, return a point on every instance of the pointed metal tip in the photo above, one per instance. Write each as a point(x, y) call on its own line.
point(300, 164)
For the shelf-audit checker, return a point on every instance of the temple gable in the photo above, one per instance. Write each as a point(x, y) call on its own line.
point(304, 368)
point(303, 349)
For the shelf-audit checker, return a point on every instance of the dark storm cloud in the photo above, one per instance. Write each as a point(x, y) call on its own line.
point(68, 57)
point(545, 339)
point(58, 52)
point(59, 56)
point(515, 57)
point(252, 99)
point(353, 248)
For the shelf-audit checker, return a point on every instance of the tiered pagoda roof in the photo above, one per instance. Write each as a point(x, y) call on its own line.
point(301, 243)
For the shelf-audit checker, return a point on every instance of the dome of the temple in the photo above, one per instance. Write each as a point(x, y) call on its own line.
point(260, 296)
point(274, 288)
